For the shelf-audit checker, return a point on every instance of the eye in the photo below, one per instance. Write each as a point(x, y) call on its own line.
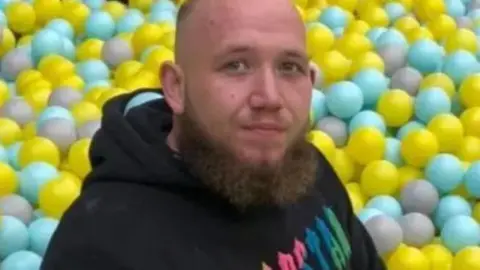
point(237, 66)
point(291, 68)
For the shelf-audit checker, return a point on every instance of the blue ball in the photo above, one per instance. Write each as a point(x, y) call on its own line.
point(425, 56)
point(46, 42)
point(100, 25)
point(394, 11)
point(162, 16)
point(387, 205)
point(393, 152)
point(390, 37)
point(141, 99)
point(41, 231)
point(69, 50)
point(373, 84)
point(334, 17)
point(367, 119)
point(89, 86)
point(455, 8)
point(409, 127)
point(460, 232)
point(374, 33)
point(129, 22)
point(22, 260)
point(448, 207)
point(61, 27)
point(93, 70)
point(12, 153)
point(368, 213)
point(54, 112)
point(33, 177)
point(459, 64)
point(94, 4)
point(431, 102)
point(318, 105)
point(472, 179)
point(344, 99)
point(445, 172)
point(13, 236)
point(163, 5)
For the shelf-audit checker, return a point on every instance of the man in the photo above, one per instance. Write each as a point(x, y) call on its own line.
point(218, 174)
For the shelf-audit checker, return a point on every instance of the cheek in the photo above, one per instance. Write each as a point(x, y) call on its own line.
point(297, 100)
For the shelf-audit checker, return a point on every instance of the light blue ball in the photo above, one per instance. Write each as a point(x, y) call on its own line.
point(54, 112)
point(22, 260)
point(344, 99)
point(367, 119)
point(69, 50)
point(94, 4)
point(33, 177)
point(387, 205)
point(474, 14)
point(394, 11)
point(390, 37)
point(425, 56)
point(89, 86)
point(333, 17)
point(448, 207)
point(459, 64)
point(46, 42)
point(445, 172)
point(93, 70)
point(374, 33)
point(409, 127)
point(368, 213)
point(13, 236)
point(460, 232)
point(62, 27)
point(318, 105)
point(12, 153)
point(393, 152)
point(100, 25)
point(163, 5)
point(141, 99)
point(431, 102)
point(40, 232)
point(162, 16)
point(373, 84)
point(3, 19)
point(3, 155)
point(472, 179)
point(455, 8)
point(130, 21)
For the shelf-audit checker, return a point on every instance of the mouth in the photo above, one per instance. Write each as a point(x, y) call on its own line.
point(266, 129)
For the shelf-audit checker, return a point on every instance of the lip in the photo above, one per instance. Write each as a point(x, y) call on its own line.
point(265, 127)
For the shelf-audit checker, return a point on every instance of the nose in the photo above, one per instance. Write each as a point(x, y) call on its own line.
point(266, 94)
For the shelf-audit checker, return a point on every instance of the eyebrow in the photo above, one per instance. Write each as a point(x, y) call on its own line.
point(236, 49)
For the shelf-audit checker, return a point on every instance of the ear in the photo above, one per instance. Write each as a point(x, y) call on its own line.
point(173, 86)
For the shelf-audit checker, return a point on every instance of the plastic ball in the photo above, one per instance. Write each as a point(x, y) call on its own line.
point(407, 79)
point(76, 13)
point(440, 257)
point(13, 235)
point(461, 39)
point(393, 152)
point(157, 57)
point(367, 119)
point(469, 149)
point(89, 49)
point(405, 24)
point(12, 154)
point(33, 177)
point(145, 36)
point(459, 232)
point(61, 26)
point(78, 157)
point(60, 131)
point(100, 25)
point(387, 204)
point(22, 260)
point(56, 196)
point(353, 44)
point(15, 62)
point(408, 128)
point(442, 26)
point(46, 42)
point(375, 16)
point(64, 97)
point(449, 207)
point(39, 149)
point(366, 145)
point(394, 57)
point(394, 10)
point(18, 110)
point(88, 129)
point(470, 91)
point(358, 26)
point(367, 60)
point(374, 33)
point(396, 107)
point(467, 259)
point(379, 178)
point(448, 130)
point(335, 65)
point(372, 83)
point(439, 80)
point(445, 172)
point(385, 233)
point(40, 232)
point(129, 22)
point(7, 41)
point(343, 165)
point(73, 81)
point(425, 56)
point(10, 131)
point(418, 229)
point(54, 112)
point(16, 206)
point(322, 142)
point(470, 119)
point(408, 258)
point(472, 179)
point(318, 104)
point(9, 182)
point(464, 22)
point(342, 93)
point(20, 17)
point(419, 196)
point(368, 213)
point(391, 37)
point(430, 103)
point(319, 39)
point(93, 70)
point(459, 65)
point(85, 111)
point(420, 33)
point(333, 17)
point(116, 51)
point(335, 128)
point(56, 68)
point(115, 9)
point(418, 147)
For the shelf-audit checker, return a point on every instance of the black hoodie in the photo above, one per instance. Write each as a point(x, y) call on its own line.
point(140, 209)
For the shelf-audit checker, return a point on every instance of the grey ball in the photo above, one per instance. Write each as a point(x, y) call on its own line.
point(18, 110)
point(407, 79)
point(418, 229)
point(116, 51)
point(335, 127)
point(394, 57)
point(386, 233)
point(464, 22)
point(318, 74)
point(419, 196)
point(88, 129)
point(474, 4)
point(15, 62)
point(60, 131)
point(64, 97)
point(16, 206)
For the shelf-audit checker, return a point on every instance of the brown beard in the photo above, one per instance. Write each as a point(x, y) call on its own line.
point(247, 185)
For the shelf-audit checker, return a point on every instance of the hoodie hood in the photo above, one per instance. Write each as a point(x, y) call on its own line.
point(131, 144)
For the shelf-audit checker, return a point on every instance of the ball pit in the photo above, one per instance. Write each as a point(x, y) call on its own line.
point(396, 110)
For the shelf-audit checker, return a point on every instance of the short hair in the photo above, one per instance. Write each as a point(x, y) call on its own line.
point(184, 10)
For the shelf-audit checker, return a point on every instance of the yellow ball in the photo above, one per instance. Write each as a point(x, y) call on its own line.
point(37, 97)
point(322, 142)
point(127, 36)
point(29, 130)
point(25, 78)
point(168, 40)
point(68, 176)
point(85, 111)
point(418, 147)
point(125, 71)
point(311, 14)
point(145, 36)
point(366, 145)
point(143, 5)
point(375, 16)
point(379, 177)
point(115, 9)
point(8, 180)
point(7, 42)
point(418, 34)
point(25, 40)
point(408, 258)
point(438, 80)
point(78, 158)
point(76, 13)
point(334, 64)
point(439, 256)
point(94, 93)
point(448, 130)
point(461, 39)
point(470, 91)
point(73, 81)
point(20, 17)
point(476, 212)
point(90, 49)
point(343, 165)
point(358, 26)
point(301, 3)
point(367, 60)
point(408, 173)
point(156, 58)
point(10, 131)
point(429, 9)
point(442, 26)
point(106, 96)
point(469, 149)
point(353, 44)
point(467, 259)
point(470, 119)
point(4, 93)
point(38, 149)
point(320, 39)
point(56, 68)
point(349, 5)
point(46, 10)
point(407, 4)
point(143, 79)
point(406, 24)
point(56, 196)
point(396, 107)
